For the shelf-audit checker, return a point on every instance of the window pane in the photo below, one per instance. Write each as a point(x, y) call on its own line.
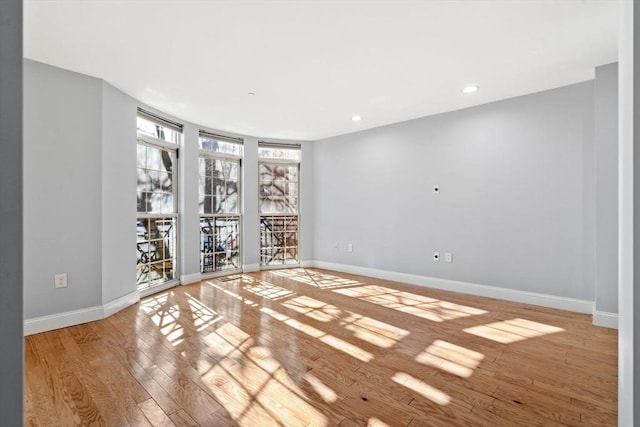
point(142, 202)
point(279, 153)
point(142, 156)
point(278, 239)
point(156, 254)
point(159, 159)
point(219, 243)
point(219, 194)
point(156, 194)
point(219, 146)
point(155, 130)
point(278, 188)
point(155, 180)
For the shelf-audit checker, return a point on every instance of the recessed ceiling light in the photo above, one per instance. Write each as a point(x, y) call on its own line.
point(356, 118)
point(471, 89)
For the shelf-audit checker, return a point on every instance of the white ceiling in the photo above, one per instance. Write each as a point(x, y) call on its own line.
point(314, 64)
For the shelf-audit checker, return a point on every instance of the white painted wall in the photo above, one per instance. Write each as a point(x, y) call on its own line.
point(307, 202)
point(189, 252)
point(251, 217)
point(629, 196)
point(118, 159)
point(62, 189)
point(516, 201)
point(606, 181)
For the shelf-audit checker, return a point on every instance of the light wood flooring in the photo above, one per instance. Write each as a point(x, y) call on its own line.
point(311, 347)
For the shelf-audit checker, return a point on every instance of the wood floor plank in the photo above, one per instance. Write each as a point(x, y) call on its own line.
point(314, 347)
point(155, 414)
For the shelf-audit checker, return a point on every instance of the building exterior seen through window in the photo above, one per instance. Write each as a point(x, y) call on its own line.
point(279, 171)
point(219, 203)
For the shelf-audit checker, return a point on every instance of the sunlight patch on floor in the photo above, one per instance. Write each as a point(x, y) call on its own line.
point(337, 343)
point(226, 339)
point(313, 308)
point(422, 388)
point(232, 294)
point(325, 392)
point(375, 422)
point(514, 330)
point(268, 290)
point(203, 316)
point(251, 385)
point(165, 317)
point(451, 358)
point(409, 303)
point(315, 278)
point(373, 331)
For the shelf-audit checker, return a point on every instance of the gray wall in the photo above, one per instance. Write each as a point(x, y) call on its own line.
point(515, 205)
point(11, 350)
point(62, 189)
point(606, 149)
point(118, 192)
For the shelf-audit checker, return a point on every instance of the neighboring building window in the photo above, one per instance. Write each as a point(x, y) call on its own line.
point(279, 171)
point(157, 194)
point(219, 198)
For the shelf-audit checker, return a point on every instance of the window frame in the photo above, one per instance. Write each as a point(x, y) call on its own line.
point(297, 214)
point(223, 156)
point(150, 287)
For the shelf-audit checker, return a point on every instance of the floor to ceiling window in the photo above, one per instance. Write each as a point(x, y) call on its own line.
point(219, 198)
point(279, 171)
point(157, 193)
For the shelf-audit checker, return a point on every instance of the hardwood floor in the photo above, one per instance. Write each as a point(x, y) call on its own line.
point(312, 347)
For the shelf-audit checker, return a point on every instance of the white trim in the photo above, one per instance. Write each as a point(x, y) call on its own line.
point(279, 266)
point(187, 279)
point(551, 301)
point(307, 264)
point(159, 288)
point(628, 392)
point(121, 303)
point(218, 155)
point(157, 143)
point(221, 273)
point(62, 320)
point(249, 268)
point(605, 319)
point(77, 317)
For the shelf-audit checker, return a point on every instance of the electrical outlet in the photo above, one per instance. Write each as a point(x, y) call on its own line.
point(436, 256)
point(60, 280)
point(350, 247)
point(448, 257)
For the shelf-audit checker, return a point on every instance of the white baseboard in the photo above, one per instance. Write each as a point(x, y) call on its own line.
point(551, 301)
point(605, 319)
point(77, 317)
point(62, 320)
point(249, 268)
point(600, 318)
point(120, 303)
point(187, 279)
